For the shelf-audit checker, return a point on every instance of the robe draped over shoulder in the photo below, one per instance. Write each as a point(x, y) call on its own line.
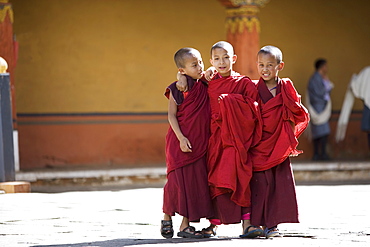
point(193, 115)
point(279, 138)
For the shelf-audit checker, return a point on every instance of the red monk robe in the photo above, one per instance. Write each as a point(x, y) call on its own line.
point(186, 191)
point(235, 127)
point(273, 188)
point(278, 113)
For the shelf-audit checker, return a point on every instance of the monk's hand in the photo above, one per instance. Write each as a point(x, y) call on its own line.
point(222, 96)
point(185, 145)
point(209, 73)
point(182, 84)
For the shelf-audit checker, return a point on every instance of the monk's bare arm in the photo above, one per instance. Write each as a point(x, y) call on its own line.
point(185, 144)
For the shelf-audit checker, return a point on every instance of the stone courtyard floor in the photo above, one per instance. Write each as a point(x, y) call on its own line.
point(332, 215)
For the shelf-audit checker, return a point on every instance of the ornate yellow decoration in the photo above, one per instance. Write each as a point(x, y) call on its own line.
point(3, 11)
point(259, 3)
point(242, 11)
point(240, 18)
point(241, 23)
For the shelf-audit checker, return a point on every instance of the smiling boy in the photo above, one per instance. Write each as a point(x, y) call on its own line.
point(235, 128)
point(284, 119)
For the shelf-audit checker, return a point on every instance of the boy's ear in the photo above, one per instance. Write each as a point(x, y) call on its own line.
point(235, 57)
point(211, 61)
point(182, 71)
point(281, 66)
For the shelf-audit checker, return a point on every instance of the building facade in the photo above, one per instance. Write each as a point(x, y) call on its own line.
point(90, 74)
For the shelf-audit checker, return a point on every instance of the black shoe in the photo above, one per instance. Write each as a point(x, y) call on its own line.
point(325, 157)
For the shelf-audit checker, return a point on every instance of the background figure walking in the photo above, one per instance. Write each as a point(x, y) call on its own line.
point(319, 107)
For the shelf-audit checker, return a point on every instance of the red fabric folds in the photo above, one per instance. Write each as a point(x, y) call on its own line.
point(235, 127)
point(279, 140)
point(193, 116)
point(232, 169)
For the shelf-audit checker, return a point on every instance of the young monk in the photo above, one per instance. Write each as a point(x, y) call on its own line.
point(235, 127)
point(186, 191)
point(284, 119)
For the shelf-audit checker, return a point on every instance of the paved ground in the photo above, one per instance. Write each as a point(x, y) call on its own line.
point(330, 216)
point(100, 178)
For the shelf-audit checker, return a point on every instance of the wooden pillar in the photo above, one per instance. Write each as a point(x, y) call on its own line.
point(8, 48)
point(242, 31)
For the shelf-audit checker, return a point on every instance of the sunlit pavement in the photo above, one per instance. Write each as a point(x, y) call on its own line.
point(330, 216)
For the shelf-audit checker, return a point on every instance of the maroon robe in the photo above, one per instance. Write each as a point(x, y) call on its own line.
point(273, 188)
point(186, 191)
point(193, 116)
point(235, 127)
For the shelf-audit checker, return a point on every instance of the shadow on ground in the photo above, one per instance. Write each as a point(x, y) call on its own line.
point(129, 242)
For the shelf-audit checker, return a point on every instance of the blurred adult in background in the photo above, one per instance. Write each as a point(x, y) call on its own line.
point(319, 107)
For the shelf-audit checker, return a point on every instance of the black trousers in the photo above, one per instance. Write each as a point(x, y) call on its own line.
point(319, 145)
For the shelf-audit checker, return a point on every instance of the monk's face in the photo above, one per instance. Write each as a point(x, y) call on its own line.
point(223, 61)
point(193, 66)
point(268, 67)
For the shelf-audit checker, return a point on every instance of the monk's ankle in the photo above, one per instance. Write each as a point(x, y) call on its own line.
point(182, 227)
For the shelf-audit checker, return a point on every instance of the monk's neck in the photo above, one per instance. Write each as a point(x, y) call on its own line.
point(225, 74)
point(272, 83)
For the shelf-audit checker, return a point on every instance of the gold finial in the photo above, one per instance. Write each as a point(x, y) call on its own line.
point(4, 1)
point(3, 65)
point(259, 3)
